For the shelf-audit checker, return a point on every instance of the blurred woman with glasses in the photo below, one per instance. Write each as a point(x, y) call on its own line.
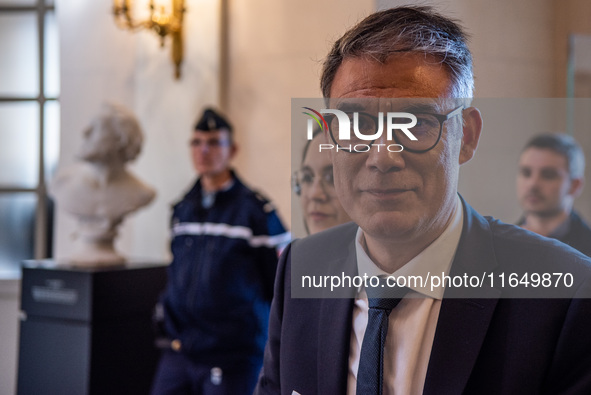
point(314, 184)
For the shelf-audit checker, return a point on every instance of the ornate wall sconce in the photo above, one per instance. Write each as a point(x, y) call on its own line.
point(162, 23)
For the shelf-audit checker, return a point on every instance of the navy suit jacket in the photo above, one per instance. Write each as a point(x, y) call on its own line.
point(491, 344)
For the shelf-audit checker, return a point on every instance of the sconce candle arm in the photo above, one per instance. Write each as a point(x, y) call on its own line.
point(162, 23)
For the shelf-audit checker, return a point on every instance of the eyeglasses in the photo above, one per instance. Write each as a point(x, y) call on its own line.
point(213, 143)
point(427, 130)
point(303, 179)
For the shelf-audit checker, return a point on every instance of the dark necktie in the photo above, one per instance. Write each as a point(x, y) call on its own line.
point(371, 362)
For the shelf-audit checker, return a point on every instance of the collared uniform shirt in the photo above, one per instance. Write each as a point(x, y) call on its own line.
point(411, 325)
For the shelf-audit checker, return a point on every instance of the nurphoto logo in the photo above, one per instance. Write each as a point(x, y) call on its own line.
point(365, 128)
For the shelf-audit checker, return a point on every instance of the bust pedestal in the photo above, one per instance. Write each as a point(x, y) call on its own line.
point(88, 330)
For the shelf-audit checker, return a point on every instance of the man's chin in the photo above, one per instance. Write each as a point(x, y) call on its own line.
point(92, 158)
point(211, 172)
point(390, 226)
point(204, 170)
point(543, 213)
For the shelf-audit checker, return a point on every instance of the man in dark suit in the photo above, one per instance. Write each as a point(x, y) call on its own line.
point(486, 307)
point(551, 176)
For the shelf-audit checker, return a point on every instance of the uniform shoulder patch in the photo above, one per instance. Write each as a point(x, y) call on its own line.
point(267, 205)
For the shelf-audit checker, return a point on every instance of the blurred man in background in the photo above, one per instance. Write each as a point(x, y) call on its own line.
point(550, 177)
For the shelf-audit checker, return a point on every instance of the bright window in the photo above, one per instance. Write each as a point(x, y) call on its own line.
point(29, 129)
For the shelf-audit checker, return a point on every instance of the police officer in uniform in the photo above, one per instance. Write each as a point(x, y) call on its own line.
point(225, 242)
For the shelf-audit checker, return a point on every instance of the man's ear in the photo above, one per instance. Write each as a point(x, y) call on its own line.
point(233, 149)
point(576, 187)
point(471, 133)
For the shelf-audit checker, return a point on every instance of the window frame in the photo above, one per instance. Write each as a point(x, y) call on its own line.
point(42, 242)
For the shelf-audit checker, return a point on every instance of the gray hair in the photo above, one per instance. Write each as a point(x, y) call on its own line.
point(564, 145)
point(417, 29)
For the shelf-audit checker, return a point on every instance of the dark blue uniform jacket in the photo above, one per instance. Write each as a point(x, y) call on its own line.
point(221, 278)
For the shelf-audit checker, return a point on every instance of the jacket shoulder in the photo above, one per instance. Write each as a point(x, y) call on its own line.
point(326, 252)
point(518, 247)
point(335, 237)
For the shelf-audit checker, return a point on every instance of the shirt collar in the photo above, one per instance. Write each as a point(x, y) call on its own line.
point(559, 232)
point(562, 229)
point(208, 198)
point(435, 260)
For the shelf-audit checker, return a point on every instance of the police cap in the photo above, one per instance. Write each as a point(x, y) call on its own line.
point(211, 120)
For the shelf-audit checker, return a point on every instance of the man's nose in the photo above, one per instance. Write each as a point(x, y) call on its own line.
point(383, 159)
point(204, 147)
point(533, 180)
point(533, 184)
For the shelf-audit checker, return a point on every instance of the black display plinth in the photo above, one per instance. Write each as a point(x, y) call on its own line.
point(86, 330)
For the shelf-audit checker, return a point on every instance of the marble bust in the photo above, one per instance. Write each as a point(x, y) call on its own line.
point(98, 189)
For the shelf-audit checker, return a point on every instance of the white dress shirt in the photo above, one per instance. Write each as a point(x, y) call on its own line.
point(411, 325)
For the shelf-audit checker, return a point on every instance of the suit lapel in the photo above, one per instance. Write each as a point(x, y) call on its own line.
point(334, 337)
point(459, 336)
point(334, 332)
point(463, 323)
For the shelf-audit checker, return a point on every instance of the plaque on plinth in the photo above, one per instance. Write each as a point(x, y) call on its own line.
point(88, 330)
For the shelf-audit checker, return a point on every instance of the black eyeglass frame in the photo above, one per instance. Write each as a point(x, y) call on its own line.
point(297, 187)
point(440, 117)
point(295, 184)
